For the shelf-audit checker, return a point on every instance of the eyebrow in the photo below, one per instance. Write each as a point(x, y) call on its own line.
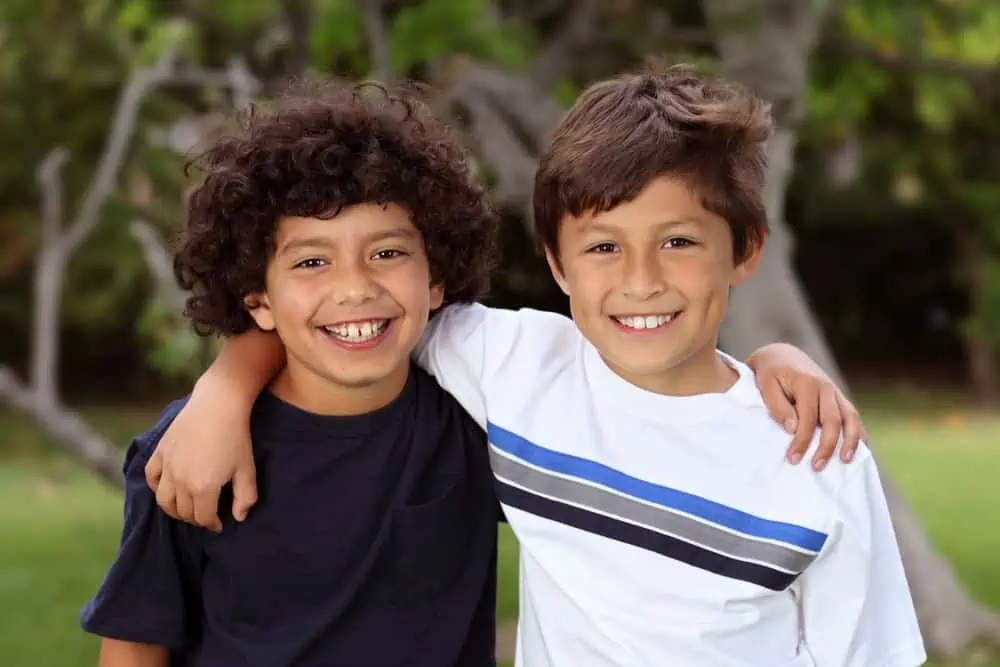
point(664, 224)
point(317, 242)
point(308, 242)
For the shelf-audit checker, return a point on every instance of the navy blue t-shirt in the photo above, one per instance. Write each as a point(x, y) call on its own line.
point(373, 542)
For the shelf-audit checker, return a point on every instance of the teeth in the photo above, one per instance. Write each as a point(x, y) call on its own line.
point(644, 321)
point(358, 332)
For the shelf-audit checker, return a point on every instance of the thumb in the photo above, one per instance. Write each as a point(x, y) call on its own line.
point(244, 490)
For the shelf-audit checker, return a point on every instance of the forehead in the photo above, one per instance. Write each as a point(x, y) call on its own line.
point(358, 221)
point(665, 199)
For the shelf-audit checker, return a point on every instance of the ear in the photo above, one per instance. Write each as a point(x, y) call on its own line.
point(557, 272)
point(745, 269)
point(437, 295)
point(259, 308)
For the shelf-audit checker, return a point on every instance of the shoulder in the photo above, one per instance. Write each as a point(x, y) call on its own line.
point(461, 319)
point(497, 339)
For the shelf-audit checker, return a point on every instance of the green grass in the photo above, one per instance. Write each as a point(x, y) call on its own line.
point(59, 526)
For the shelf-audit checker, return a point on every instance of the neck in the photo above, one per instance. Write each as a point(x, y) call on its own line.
point(704, 372)
point(301, 387)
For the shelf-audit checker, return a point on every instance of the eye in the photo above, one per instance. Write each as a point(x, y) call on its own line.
point(390, 253)
point(678, 242)
point(311, 263)
point(603, 248)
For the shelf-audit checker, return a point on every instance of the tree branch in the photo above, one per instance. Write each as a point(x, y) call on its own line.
point(378, 39)
point(49, 177)
point(66, 427)
point(48, 278)
point(160, 264)
point(41, 398)
point(559, 55)
point(298, 13)
point(529, 109)
point(512, 167)
point(122, 129)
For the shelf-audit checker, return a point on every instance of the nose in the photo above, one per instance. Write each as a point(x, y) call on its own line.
point(353, 285)
point(643, 276)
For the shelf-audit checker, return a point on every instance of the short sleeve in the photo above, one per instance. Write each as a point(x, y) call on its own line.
point(148, 595)
point(454, 350)
point(856, 605)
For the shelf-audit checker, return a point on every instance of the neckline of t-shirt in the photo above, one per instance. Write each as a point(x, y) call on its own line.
point(659, 407)
point(274, 415)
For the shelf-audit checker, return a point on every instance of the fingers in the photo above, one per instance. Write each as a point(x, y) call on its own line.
point(854, 430)
point(244, 490)
point(154, 470)
point(831, 423)
point(206, 509)
point(166, 498)
point(777, 402)
point(806, 396)
point(185, 505)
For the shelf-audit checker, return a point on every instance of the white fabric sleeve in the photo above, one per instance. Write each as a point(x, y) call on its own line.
point(454, 350)
point(855, 602)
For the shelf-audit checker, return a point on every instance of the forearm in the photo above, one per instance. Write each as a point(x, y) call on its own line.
point(245, 366)
point(116, 653)
point(786, 354)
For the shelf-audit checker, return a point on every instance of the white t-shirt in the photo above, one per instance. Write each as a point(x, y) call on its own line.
point(661, 531)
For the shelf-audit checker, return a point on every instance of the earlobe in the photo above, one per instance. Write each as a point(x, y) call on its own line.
point(437, 296)
point(260, 310)
point(556, 270)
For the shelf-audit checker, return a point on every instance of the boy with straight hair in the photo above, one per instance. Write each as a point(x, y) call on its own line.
point(658, 521)
point(333, 218)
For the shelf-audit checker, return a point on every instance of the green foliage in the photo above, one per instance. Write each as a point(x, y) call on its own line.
point(338, 37)
point(175, 350)
point(918, 103)
point(432, 29)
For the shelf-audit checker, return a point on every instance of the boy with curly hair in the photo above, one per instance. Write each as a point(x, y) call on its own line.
point(637, 464)
point(339, 219)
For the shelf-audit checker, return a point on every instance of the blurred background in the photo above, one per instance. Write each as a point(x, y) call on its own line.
point(883, 264)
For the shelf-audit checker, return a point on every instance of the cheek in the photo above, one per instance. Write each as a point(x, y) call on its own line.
point(409, 287)
point(295, 300)
point(703, 279)
point(588, 287)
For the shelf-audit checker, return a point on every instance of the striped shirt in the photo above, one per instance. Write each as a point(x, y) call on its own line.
point(661, 530)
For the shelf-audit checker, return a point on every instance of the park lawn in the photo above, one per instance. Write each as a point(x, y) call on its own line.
point(59, 526)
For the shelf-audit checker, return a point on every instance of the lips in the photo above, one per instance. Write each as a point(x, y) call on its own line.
point(645, 321)
point(359, 331)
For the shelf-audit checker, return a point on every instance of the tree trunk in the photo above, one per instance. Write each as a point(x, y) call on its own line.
point(980, 350)
point(766, 45)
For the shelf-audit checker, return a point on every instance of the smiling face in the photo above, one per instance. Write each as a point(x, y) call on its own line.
point(648, 283)
point(349, 298)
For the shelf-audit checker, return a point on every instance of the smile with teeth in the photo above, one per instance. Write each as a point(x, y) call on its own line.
point(644, 321)
point(357, 332)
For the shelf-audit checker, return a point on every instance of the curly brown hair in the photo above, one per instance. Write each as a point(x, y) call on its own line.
point(624, 132)
point(322, 147)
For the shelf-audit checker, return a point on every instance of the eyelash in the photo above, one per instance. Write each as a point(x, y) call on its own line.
point(396, 253)
point(669, 243)
point(308, 263)
point(316, 262)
